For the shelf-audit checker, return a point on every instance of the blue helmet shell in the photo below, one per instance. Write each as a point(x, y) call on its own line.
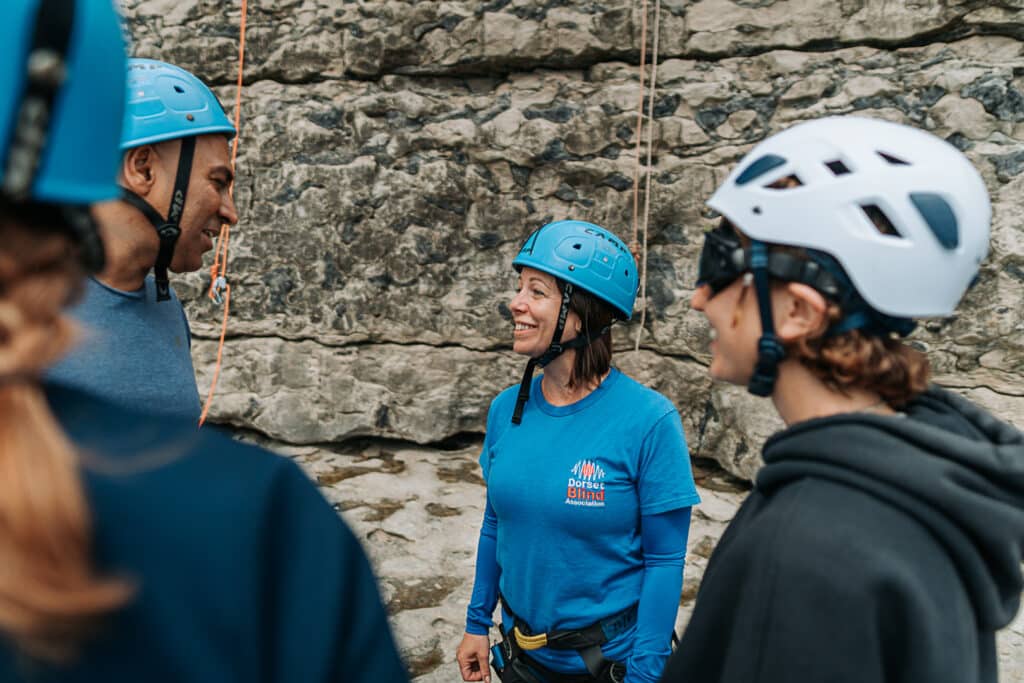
point(165, 102)
point(589, 257)
point(80, 157)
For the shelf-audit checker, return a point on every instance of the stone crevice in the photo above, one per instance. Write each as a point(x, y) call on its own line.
point(355, 344)
point(951, 33)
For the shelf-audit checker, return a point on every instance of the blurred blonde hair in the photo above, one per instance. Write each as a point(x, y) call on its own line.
point(50, 594)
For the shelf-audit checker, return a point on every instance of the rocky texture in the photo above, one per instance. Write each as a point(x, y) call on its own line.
point(395, 153)
point(380, 217)
point(418, 514)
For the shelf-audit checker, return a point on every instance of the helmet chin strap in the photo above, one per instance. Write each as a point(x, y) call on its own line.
point(555, 350)
point(770, 351)
point(168, 230)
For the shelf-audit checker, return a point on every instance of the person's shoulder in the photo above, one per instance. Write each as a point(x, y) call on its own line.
point(817, 522)
point(163, 452)
point(642, 398)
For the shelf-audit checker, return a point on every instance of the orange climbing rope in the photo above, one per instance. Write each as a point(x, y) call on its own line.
point(220, 290)
point(640, 251)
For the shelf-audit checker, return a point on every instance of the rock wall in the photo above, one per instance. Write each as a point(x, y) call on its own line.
point(395, 154)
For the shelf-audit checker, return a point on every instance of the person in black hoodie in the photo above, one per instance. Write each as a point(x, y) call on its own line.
point(132, 547)
point(883, 538)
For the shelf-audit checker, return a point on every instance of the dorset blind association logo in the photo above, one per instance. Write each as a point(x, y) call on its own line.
point(586, 485)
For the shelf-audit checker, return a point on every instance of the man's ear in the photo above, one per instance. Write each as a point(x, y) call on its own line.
point(800, 311)
point(139, 169)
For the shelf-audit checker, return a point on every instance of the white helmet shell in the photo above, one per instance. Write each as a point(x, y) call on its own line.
point(849, 168)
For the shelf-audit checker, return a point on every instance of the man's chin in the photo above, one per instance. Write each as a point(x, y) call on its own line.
point(179, 268)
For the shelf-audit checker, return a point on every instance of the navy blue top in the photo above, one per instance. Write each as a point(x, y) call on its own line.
point(243, 571)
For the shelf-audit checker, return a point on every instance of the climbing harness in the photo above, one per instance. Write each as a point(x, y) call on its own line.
point(586, 641)
point(220, 289)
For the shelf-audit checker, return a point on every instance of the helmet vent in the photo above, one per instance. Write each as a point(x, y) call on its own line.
point(895, 161)
point(880, 220)
point(760, 166)
point(786, 183)
point(178, 89)
point(939, 216)
point(837, 167)
point(577, 246)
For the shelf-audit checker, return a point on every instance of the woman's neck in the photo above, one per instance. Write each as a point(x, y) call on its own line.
point(555, 383)
point(799, 395)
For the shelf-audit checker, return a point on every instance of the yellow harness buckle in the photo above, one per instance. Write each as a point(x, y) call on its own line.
point(530, 642)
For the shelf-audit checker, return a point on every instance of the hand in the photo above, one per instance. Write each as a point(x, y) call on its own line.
point(472, 656)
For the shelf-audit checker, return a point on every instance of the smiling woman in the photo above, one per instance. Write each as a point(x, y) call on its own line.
point(581, 447)
point(535, 312)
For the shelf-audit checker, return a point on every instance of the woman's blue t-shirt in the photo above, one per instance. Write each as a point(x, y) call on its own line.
point(568, 487)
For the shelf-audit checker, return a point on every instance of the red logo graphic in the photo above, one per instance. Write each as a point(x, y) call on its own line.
point(586, 485)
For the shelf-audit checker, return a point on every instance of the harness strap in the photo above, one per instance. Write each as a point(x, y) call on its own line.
point(586, 641)
point(169, 229)
point(45, 72)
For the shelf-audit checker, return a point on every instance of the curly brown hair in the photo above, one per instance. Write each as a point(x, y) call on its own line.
point(886, 366)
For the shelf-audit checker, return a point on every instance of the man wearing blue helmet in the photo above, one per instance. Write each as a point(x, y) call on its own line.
point(589, 486)
point(176, 183)
point(132, 547)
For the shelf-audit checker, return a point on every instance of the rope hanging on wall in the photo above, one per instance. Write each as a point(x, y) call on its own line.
point(220, 290)
point(639, 248)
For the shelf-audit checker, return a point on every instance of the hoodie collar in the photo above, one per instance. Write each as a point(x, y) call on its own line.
point(955, 468)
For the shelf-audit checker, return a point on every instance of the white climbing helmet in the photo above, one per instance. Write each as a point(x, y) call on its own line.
point(930, 201)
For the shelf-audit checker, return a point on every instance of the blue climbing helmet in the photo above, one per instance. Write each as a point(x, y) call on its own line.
point(589, 257)
point(579, 255)
point(165, 102)
point(61, 103)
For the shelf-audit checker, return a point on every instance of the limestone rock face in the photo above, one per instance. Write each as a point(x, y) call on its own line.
point(381, 216)
point(394, 155)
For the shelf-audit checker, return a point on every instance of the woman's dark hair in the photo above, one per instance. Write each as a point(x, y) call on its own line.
point(594, 359)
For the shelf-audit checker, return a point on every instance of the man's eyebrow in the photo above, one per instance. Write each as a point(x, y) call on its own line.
point(229, 174)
